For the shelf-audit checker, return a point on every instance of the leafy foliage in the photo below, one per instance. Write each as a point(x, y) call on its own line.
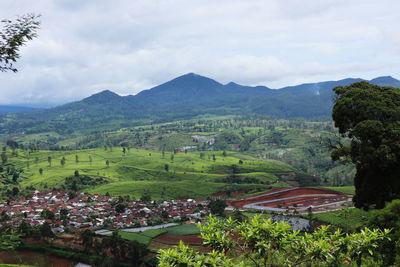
point(9, 239)
point(13, 36)
point(370, 116)
point(217, 206)
point(263, 242)
point(389, 218)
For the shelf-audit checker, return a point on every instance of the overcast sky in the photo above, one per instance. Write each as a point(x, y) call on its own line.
point(86, 46)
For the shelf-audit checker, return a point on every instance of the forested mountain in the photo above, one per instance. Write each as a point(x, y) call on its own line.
point(5, 108)
point(185, 97)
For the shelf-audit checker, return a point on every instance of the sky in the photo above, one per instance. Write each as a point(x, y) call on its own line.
point(86, 46)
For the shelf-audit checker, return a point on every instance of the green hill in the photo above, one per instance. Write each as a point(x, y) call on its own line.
point(136, 171)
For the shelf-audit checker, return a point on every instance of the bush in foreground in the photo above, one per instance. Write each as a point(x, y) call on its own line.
point(261, 242)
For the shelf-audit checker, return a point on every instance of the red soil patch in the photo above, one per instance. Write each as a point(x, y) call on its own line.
point(299, 198)
point(171, 239)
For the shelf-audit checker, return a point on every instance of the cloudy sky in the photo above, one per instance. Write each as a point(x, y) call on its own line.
point(126, 46)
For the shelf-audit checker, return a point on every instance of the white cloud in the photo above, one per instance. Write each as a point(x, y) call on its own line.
point(127, 46)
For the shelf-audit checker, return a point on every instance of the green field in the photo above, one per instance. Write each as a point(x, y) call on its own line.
point(147, 236)
point(348, 190)
point(349, 219)
point(184, 229)
point(189, 174)
point(250, 215)
point(143, 237)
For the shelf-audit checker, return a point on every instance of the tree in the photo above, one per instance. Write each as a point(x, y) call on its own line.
point(388, 218)
point(87, 239)
point(369, 116)
point(4, 157)
point(15, 191)
point(120, 208)
point(145, 196)
point(63, 214)
point(45, 230)
point(47, 214)
point(9, 239)
point(13, 36)
point(266, 243)
point(217, 206)
point(62, 162)
point(238, 215)
point(25, 229)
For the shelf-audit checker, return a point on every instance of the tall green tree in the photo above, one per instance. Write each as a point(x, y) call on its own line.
point(217, 206)
point(369, 115)
point(4, 157)
point(62, 161)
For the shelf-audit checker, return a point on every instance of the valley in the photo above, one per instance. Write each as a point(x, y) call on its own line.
point(115, 175)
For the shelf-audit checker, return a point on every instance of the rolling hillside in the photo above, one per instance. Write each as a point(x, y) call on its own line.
point(133, 172)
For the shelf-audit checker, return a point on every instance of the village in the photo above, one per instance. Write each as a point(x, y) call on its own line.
point(82, 210)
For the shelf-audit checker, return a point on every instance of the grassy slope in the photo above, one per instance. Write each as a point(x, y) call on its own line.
point(147, 236)
point(137, 170)
point(349, 219)
point(184, 229)
point(349, 190)
point(143, 237)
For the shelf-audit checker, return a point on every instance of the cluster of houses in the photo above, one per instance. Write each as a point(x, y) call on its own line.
point(96, 211)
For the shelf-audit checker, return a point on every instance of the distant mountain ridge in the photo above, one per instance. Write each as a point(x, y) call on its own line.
point(191, 95)
point(7, 108)
point(194, 91)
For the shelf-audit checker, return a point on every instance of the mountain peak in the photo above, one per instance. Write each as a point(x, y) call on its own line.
point(232, 84)
point(194, 77)
point(102, 97)
point(188, 81)
point(386, 81)
point(192, 74)
point(106, 92)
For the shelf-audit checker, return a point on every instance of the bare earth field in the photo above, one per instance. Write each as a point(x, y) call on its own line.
point(169, 240)
point(296, 198)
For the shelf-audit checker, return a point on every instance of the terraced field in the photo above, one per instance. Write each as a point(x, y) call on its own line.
point(299, 199)
point(167, 175)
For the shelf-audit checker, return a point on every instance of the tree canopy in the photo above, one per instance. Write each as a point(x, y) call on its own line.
point(13, 35)
point(369, 115)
